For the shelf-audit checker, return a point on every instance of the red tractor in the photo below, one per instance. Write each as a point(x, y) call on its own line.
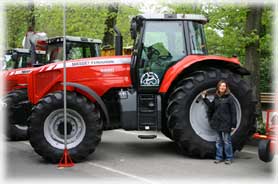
point(21, 58)
point(16, 98)
point(268, 142)
point(158, 88)
point(17, 64)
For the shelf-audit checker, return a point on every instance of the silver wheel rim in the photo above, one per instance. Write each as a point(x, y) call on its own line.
point(21, 127)
point(199, 120)
point(52, 128)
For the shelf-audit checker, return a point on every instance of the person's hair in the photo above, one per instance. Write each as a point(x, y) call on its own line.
point(218, 86)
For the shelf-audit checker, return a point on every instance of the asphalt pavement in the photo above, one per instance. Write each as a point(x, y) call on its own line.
point(122, 157)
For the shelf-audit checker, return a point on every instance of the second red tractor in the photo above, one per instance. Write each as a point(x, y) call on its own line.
point(20, 64)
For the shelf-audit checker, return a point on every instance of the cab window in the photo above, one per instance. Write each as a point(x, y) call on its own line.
point(163, 46)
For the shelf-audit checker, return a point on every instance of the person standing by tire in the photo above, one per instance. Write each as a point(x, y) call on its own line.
point(222, 118)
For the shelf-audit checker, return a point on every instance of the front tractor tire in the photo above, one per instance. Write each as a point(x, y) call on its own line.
point(264, 151)
point(18, 109)
point(46, 130)
point(186, 112)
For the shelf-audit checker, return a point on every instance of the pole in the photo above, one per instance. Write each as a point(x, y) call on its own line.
point(65, 161)
point(65, 76)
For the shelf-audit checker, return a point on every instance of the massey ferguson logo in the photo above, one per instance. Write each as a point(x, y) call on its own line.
point(88, 62)
point(149, 79)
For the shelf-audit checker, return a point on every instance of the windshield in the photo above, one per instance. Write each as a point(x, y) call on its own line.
point(23, 60)
point(55, 52)
point(83, 50)
point(163, 45)
point(7, 62)
point(75, 50)
point(197, 38)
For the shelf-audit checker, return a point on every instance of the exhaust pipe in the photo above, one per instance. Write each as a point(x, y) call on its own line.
point(118, 42)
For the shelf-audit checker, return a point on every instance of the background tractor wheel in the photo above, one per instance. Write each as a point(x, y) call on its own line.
point(18, 110)
point(186, 112)
point(46, 131)
point(264, 151)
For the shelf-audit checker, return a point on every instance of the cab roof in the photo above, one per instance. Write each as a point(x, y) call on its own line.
point(23, 51)
point(59, 39)
point(187, 17)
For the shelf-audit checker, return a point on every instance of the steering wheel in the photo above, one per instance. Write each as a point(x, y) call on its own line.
point(165, 57)
point(152, 51)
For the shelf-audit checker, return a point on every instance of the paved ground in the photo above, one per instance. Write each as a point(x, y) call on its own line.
point(122, 157)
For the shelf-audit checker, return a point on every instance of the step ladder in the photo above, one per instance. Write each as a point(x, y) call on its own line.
point(147, 114)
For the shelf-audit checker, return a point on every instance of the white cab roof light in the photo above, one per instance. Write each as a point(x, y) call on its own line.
point(192, 17)
point(21, 50)
point(26, 51)
point(74, 39)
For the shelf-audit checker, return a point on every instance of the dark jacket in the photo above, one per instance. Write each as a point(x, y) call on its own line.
point(222, 113)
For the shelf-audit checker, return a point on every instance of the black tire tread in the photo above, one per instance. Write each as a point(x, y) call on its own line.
point(54, 101)
point(187, 142)
point(12, 131)
point(264, 151)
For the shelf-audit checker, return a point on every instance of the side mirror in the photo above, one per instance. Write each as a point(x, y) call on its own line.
point(133, 29)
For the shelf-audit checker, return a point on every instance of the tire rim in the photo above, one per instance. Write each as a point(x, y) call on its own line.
point(21, 127)
point(199, 120)
point(54, 128)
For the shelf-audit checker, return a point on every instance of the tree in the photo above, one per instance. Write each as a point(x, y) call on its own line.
point(49, 19)
point(226, 34)
point(86, 21)
point(16, 16)
point(252, 61)
point(110, 22)
point(31, 20)
point(125, 13)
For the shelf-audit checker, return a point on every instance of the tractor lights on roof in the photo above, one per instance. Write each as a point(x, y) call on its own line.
point(73, 39)
point(190, 17)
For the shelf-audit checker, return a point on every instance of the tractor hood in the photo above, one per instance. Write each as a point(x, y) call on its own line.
point(18, 71)
point(98, 73)
point(88, 62)
point(15, 78)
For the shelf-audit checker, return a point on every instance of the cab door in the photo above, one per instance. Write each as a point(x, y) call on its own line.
point(163, 44)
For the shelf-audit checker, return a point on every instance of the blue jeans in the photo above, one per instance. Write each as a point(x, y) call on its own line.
point(224, 142)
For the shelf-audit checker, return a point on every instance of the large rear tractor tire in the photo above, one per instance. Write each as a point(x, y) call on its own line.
point(264, 151)
point(186, 112)
point(18, 109)
point(46, 130)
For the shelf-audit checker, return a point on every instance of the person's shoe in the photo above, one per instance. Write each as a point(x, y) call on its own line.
point(217, 161)
point(228, 162)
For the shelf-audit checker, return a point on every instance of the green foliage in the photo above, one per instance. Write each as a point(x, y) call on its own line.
point(225, 31)
point(226, 35)
point(16, 24)
point(123, 22)
point(260, 126)
point(86, 21)
point(266, 49)
point(49, 19)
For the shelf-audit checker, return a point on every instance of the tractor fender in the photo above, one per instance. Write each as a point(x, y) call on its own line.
point(94, 95)
point(174, 71)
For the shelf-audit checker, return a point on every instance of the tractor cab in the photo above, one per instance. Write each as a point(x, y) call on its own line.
point(77, 47)
point(160, 41)
point(21, 58)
